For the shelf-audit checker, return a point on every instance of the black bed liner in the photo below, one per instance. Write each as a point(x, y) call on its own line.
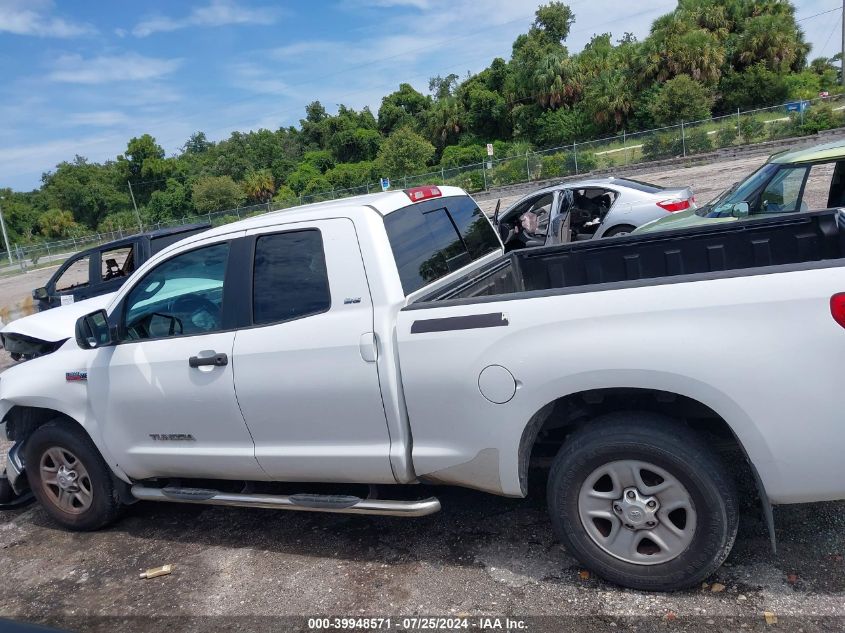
point(720, 250)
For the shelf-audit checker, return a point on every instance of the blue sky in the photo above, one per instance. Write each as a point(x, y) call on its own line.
point(82, 77)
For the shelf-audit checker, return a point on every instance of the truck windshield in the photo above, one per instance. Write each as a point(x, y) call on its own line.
point(740, 192)
point(433, 238)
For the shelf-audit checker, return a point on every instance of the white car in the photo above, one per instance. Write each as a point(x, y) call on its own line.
point(587, 209)
point(386, 340)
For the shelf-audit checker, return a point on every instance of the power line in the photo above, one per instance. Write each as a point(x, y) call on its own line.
point(815, 15)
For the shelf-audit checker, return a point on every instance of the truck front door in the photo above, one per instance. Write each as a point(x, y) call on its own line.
point(165, 392)
point(305, 371)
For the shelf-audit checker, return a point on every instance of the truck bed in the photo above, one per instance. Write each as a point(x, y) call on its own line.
point(755, 246)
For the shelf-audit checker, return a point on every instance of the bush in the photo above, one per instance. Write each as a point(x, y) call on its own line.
point(819, 118)
point(226, 219)
point(781, 129)
point(471, 180)
point(751, 129)
point(665, 145)
point(697, 141)
point(726, 136)
point(456, 155)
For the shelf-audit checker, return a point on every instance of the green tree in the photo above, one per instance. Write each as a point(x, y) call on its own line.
point(259, 185)
point(216, 193)
point(404, 153)
point(174, 201)
point(404, 107)
point(56, 223)
point(681, 99)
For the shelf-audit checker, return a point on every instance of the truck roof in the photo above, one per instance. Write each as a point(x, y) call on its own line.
point(383, 203)
point(824, 152)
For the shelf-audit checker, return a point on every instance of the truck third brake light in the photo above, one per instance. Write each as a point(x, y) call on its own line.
point(674, 205)
point(423, 193)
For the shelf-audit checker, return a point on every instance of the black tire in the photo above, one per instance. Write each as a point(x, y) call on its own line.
point(6, 492)
point(622, 229)
point(104, 504)
point(669, 445)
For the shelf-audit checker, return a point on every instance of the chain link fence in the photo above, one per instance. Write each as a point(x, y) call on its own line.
point(677, 141)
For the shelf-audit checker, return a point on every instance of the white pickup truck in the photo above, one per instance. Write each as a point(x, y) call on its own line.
point(386, 339)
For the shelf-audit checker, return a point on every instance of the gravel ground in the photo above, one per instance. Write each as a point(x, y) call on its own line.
point(237, 569)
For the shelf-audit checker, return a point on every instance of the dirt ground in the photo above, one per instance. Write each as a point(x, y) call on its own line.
point(237, 569)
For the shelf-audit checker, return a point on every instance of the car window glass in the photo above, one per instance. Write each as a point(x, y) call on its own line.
point(182, 295)
point(116, 263)
point(75, 276)
point(744, 191)
point(781, 194)
point(817, 189)
point(289, 279)
point(541, 208)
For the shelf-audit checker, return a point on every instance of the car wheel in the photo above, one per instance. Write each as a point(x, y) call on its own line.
point(639, 499)
point(622, 229)
point(69, 478)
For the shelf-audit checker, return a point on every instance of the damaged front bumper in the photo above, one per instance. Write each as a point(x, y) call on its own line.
point(15, 470)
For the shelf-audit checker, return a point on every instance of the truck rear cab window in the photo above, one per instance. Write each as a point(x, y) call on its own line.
point(289, 278)
point(117, 262)
point(430, 240)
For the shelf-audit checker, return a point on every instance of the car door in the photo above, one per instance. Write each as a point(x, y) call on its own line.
point(165, 392)
point(305, 372)
point(72, 281)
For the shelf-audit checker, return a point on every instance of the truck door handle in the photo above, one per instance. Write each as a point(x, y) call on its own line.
point(218, 360)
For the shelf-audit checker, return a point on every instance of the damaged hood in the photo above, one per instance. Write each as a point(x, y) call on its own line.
point(57, 324)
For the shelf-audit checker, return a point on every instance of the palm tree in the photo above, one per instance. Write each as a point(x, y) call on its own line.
point(259, 185)
point(556, 81)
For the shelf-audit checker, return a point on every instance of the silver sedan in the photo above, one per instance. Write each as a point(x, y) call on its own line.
point(587, 209)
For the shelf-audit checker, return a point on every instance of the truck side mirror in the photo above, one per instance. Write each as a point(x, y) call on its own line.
point(93, 331)
point(39, 293)
point(496, 212)
point(740, 210)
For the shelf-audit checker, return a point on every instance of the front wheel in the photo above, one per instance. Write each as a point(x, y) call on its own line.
point(640, 500)
point(69, 478)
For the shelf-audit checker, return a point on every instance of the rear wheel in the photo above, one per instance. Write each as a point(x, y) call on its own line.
point(640, 500)
point(622, 229)
point(69, 478)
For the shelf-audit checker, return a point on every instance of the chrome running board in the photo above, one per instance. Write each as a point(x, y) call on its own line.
point(342, 504)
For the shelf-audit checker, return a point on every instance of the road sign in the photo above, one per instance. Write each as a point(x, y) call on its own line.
point(489, 149)
point(385, 184)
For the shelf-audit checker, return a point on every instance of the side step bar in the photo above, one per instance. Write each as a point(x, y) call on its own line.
point(342, 504)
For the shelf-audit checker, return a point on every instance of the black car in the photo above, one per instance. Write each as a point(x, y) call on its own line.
point(101, 270)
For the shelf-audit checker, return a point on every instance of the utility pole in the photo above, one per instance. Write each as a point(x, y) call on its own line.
point(138, 215)
point(5, 236)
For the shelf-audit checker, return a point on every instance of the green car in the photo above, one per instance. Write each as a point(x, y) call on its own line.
point(789, 182)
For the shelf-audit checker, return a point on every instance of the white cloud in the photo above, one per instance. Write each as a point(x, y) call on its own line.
point(99, 70)
point(31, 17)
point(216, 13)
point(101, 118)
point(257, 79)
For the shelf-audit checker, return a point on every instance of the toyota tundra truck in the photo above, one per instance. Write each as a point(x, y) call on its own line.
point(386, 340)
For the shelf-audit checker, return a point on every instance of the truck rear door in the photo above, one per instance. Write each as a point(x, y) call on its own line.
point(305, 372)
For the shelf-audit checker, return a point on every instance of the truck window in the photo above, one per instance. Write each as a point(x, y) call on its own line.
point(433, 238)
point(182, 295)
point(75, 276)
point(117, 262)
point(819, 187)
point(289, 278)
point(781, 194)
